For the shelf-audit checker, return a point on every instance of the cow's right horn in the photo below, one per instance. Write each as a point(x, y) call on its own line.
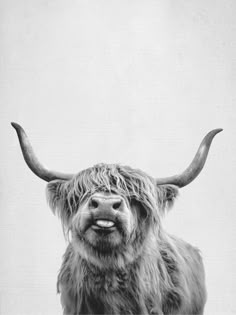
point(32, 161)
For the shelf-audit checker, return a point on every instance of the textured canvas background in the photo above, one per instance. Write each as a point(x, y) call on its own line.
point(134, 82)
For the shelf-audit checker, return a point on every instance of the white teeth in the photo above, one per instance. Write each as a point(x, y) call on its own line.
point(105, 223)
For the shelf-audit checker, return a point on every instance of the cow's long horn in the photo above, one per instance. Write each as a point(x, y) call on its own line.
point(31, 159)
point(196, 165)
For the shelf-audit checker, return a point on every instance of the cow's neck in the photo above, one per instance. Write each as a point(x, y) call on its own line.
point(110, 291)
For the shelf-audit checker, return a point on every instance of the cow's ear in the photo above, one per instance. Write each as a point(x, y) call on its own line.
point(55, 194)
point(166, 196)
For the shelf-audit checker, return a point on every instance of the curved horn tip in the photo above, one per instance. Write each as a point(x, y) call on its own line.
point(211, 134)
point(217, 130)
point(16, 126)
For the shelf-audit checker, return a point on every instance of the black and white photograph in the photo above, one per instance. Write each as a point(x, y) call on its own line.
point(118, 157)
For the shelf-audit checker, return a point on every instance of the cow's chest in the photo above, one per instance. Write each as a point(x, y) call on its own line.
point(107, 281)
point(110, 292)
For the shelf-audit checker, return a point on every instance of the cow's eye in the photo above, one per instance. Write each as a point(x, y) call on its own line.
point(139, 209)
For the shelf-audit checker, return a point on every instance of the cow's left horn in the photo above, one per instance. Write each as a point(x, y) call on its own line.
point(32, 161)
point(196, 165)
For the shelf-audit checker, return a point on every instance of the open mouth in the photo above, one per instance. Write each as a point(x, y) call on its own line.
point(103, 225)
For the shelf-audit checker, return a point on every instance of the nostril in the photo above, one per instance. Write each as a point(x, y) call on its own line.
point(116, 205)
point(93, 203)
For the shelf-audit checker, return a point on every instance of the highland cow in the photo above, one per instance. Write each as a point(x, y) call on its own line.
point(119, 259)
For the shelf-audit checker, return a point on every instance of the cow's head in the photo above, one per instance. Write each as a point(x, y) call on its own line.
point(109, 209)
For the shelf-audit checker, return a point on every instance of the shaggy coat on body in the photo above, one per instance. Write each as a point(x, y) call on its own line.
point(147, 272)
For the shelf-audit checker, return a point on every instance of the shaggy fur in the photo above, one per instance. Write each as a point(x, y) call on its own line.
point(148, 272)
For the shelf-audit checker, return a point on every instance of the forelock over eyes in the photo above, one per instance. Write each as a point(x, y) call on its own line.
point(123, 180)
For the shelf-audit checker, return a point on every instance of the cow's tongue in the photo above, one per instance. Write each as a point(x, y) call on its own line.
point(104, 223)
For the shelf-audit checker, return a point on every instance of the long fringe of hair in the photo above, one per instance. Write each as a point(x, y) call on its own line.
point(64, 197)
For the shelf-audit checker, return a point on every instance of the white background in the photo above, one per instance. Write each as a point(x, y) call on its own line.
point(134, 82)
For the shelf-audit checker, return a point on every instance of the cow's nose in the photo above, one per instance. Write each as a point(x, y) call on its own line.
point(99, 203)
